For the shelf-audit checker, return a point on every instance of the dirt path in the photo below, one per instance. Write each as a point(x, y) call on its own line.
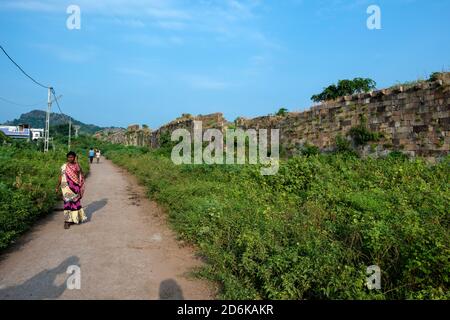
point(124, 251)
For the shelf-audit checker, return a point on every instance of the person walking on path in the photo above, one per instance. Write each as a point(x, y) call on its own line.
point(97, 155)
point(91, 155)
point(71, 182)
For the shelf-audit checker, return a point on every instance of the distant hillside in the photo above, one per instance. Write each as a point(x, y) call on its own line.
point(36, 119)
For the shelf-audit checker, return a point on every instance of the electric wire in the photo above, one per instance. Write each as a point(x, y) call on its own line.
point(23, 71)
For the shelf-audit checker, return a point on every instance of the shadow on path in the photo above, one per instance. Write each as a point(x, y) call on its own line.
point(41, 286)
point(170, 290)
point(93, 207)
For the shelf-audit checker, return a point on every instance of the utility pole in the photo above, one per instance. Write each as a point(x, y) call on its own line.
point(76, 130)
point(47, 121)
point(70, 131)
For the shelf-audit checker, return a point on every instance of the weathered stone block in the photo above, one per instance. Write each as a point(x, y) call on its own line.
point(418, 129)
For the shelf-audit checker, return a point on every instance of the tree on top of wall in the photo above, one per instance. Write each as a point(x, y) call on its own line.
point(345, 88)
point(281, 112)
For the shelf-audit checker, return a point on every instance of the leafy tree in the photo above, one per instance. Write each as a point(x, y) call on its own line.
point(435, 76)
point(345, 88)
point(282, 112)
point(60, 129)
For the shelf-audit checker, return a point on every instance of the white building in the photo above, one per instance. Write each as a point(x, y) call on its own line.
point(22, 132)
point(16, 132)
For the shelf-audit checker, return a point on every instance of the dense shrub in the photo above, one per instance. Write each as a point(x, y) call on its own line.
point(345, 88)
point(4, 138)
point(361, 134)
point(310, 231)
point(282, 112)
point(27, 186)
point(309, 150)
point(344, 146)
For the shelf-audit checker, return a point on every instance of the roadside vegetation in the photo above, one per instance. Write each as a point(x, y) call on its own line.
point(308, 232)
point(28, 179)
point(311, 231)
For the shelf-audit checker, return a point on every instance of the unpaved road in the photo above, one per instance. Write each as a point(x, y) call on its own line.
point(124, 251)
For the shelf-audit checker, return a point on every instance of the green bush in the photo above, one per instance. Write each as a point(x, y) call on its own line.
point(310, 231)
point(361, 135)
point(27, 186)
point(309, 150)
point(343, 146)
point(282, 112)
point(4, 138)
point(345, 88)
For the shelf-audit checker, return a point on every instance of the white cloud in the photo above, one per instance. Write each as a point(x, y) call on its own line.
point(130, 71)
point(149, 40)
point(133, 23)
point(39, 6)
point(205, 82)
point(330, 8)
point(67, 54)
point(231, 20)
point(167, 13)
point(171, 25)
point(257, 60)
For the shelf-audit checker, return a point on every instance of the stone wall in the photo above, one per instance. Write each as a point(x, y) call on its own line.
point(134, 135)
point(414, 119)
point(186, 121)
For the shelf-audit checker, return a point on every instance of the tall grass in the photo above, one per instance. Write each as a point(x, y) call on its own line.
point(310, 231)
point(28, 178)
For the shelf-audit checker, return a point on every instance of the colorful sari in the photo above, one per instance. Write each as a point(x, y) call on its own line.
point(72, 187)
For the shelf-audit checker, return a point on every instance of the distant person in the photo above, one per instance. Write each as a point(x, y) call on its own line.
point(97, 155)
point(71, 182)
point(91, 155)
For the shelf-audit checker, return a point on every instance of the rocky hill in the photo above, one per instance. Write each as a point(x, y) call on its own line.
point(36, 119)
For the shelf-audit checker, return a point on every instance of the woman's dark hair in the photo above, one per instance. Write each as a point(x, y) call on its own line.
point(71, 153)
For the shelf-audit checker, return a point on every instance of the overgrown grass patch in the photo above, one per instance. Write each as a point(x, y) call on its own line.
point(310, 231)
point(28, 178)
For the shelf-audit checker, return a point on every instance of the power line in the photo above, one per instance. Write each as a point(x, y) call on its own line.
point(68, 117)
point(23, 71)
point(56, 100)
point(57, 103)
point(50, 92)
point(20, 104)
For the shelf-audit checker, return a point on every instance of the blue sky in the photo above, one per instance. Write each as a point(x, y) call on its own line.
point(136, 61)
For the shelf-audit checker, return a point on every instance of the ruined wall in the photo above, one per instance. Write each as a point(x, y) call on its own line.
point(134, 135)
point(186, 121)
point(413, 119)
point(137, 136)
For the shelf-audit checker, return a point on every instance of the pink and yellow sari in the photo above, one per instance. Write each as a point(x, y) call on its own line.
point(72, 186)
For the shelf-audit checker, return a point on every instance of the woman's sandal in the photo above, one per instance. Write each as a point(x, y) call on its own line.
point(66, 225)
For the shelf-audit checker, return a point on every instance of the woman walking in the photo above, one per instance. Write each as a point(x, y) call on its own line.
point(97, 155)
point(71, 182)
